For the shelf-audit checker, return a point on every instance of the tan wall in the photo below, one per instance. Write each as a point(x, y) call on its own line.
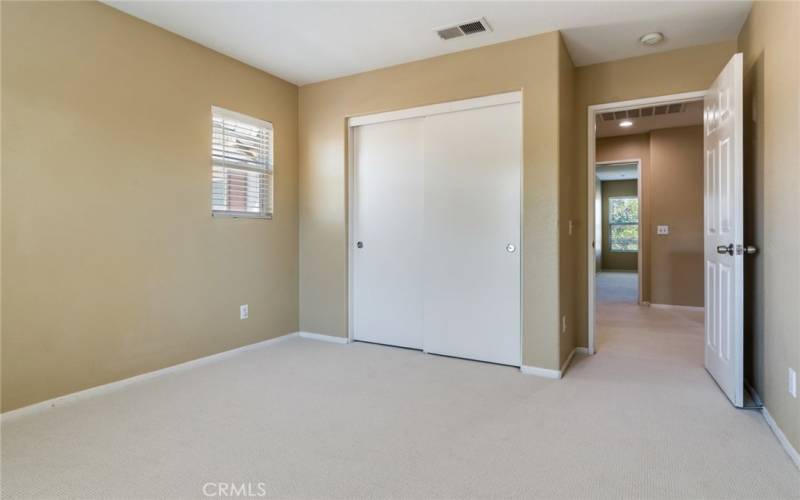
point(566, 186)
point(672, 194)
point(616, 261)
point(633, 147)
point(676, 199)
point(770, 41)
point(112, 263)
point(530, 64)
point(672, 72)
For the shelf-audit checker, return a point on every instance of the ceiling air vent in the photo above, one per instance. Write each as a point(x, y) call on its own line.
point(463, 29)
point(667, 109)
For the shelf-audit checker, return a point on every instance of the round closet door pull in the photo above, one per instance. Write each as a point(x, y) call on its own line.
point(511, 248)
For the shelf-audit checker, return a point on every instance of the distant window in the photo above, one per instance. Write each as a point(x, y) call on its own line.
point(242, 168)
point(623, 224)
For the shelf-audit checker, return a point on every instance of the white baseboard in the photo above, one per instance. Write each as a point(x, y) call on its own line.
point(568, 361)
point(119, 384)
point(680, 308)
point(549, 372)
point(540, 372)
point(781, 437)
point(324, 338)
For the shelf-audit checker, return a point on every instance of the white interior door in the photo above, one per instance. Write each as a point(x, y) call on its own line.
point(388, 221)
point(473, 164)
point(723, 231)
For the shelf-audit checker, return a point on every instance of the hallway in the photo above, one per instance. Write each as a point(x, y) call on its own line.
point(617, 287)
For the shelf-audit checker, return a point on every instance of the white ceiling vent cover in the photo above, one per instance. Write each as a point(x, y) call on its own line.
point(649, 111)
point(462, 29)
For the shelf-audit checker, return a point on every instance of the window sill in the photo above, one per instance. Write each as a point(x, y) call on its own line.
point(240, 215)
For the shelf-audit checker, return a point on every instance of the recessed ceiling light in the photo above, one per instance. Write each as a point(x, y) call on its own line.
point(626, 123)
point(651, 39)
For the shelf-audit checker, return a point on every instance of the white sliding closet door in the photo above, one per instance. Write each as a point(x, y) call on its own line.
point(471, 259)
point(388, 221)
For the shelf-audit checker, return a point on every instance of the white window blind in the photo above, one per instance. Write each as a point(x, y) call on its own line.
point(242, 168)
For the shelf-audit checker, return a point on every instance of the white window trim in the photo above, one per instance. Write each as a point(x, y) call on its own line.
point(240, 117)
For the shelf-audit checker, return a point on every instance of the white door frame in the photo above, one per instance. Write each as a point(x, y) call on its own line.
point(402, 114)
point(638, 162)
point(592, 112)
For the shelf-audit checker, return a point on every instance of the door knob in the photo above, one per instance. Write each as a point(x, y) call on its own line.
point(511, 248)
point(725, 249)
point(750, 249)
point(360, 244)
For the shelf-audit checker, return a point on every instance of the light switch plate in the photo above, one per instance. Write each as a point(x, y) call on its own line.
point(663, 229)
point(243, 312)
point(792, 383)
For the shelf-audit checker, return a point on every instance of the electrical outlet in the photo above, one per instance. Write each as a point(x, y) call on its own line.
point(792, 383)
point(571, 226)
point(563, 324)
point(243, 312)
point(663, 229)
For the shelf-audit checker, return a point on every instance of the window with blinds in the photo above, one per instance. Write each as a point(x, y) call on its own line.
point(242, 168)
point(623, 223)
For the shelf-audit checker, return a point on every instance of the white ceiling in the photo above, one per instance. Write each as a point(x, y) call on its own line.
point(617, 172)
point(306, 42)
point(692, 114)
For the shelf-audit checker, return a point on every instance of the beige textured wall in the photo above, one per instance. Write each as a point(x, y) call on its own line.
point(112, 263)
point(616, 261)
point(530, 64)
point(770, 41)
point(566, 186)
point(632, 147)
point(676, 199)
point(682, 70)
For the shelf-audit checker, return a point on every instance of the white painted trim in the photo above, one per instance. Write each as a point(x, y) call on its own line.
point(568, 361)
point(351, 226)
point(437, 109)
point(550, 373)
point(324, 338)
point(591, 111)
point(793, 454)
point(650, 101)
point(250, 120)
point(680, 308)
point(540, 372)
point(120, 384)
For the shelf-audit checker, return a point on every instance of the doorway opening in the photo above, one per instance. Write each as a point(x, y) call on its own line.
point(646, 204)
point(617, 222)
point(690, 274)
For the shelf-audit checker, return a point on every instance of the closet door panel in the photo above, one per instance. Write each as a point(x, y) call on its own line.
point(388, 221)
point(471, 259)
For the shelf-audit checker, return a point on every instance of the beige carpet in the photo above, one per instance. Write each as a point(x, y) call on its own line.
point(617, 287)
point(308, 419)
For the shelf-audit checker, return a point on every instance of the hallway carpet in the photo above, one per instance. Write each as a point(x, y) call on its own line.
point(308, 419)
point(617, 287)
